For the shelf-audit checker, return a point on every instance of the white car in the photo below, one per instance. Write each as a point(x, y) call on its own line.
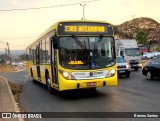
point(123, 67)
point(153, 54)
point(147, 56)
point(156, 54)
point(14, 64)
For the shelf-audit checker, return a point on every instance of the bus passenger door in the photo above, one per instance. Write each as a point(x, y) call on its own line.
point(54, 65)
point(38, 60)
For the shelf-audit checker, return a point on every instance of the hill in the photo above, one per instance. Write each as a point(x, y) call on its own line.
point(129, 29)
point(15, 52)
point(18, 52)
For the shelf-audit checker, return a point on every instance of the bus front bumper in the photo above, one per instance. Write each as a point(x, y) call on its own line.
point(80, 84)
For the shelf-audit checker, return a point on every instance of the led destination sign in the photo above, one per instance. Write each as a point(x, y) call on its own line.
point(85, 28)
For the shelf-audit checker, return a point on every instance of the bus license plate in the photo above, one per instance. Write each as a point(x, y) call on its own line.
point(91, 83)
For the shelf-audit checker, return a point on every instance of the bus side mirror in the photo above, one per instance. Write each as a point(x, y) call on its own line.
point(55, 42)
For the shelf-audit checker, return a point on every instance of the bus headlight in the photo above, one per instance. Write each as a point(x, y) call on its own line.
point(112, 72)
point(66, 75)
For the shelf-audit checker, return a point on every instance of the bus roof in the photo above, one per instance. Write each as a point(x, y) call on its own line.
point(55, 26)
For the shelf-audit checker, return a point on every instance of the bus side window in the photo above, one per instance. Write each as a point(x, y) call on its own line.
point(28, 55)
point(34, 53)
point(48, 50)
point(40, 51)
point(43, 51)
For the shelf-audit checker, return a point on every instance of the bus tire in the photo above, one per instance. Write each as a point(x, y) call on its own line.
point(136, 69)
point(33, 80)
point(48, 83)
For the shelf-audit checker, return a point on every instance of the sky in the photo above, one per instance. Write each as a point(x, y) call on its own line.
point(20, 27)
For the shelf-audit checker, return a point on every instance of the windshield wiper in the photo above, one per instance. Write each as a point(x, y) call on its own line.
point(83, 46)
point(78, 42)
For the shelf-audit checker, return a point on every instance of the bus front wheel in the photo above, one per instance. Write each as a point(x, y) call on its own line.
point(48, 83)
point(33, 80)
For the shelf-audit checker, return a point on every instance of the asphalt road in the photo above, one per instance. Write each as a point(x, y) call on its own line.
point(134, 94)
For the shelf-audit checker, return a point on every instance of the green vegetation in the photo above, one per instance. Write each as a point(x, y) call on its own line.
point(23, 57)
point(141, 38)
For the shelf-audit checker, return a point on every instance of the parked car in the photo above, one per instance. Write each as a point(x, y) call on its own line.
point(147, 55)
point(14, 64)
point(123, 67)
point(152, 54)
point(156, 54)
point(152, 68)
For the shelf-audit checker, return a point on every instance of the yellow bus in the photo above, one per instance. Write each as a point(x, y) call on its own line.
point(74, 55)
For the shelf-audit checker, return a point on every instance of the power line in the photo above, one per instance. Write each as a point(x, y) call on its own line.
point(4, 43)
point(45, 7)
point(7, 45)
point(18, 45)
point(16, 37)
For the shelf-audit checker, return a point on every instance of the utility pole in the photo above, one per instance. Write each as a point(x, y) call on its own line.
point(83, 5)
point(9, 55)
point(7, 52)
point(5, 58)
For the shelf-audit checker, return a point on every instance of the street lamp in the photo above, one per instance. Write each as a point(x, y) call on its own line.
point(83, 10)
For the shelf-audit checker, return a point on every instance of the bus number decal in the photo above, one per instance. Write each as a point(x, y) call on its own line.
point(70, 28)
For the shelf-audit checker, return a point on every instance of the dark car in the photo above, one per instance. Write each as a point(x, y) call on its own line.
point(123, 67)
point(152, 68)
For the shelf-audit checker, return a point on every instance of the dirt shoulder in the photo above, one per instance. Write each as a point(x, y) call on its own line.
point(7, 68)
point(16, 90)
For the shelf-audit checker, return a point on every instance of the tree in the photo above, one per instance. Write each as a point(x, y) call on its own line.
point(150, 42)
point(141, 37)
point(4, 58)
point(23, 57)
point(157, 48)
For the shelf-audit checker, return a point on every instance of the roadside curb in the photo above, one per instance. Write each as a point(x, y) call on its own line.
point(12, 98)
point(16, 70)
point(20, 70)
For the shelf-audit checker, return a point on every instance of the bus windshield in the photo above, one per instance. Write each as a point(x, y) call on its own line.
point(132, 52)
point(86, 52)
